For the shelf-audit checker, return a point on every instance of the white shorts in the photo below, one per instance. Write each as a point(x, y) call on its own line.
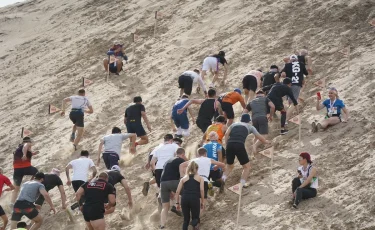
point(210, 63)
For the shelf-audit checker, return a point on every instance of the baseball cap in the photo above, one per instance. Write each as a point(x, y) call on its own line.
point(306, 156)
point(293, 57)
point(116, 168)
point(245, 118)
point(237, 90)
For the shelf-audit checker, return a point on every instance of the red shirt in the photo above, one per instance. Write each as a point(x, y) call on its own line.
point(3, 180)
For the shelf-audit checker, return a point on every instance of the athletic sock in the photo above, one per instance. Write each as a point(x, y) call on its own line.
point(283, 119)
point(224, 178)
point(243, 182)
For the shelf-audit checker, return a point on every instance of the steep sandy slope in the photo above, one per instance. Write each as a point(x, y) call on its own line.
point(47, 47)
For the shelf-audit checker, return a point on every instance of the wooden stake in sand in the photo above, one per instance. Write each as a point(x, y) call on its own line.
point(25, 132)
point(52, 109)
point(239, 205)
point(86, 82)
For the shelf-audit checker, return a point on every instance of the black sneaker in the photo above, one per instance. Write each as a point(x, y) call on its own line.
point(174, 209)
point(74, 206)
point(146, 187)
point(283, 132)
point(294, 206)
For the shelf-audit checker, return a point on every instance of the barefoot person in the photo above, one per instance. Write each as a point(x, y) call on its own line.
point(115, 177)
point(24, 205)
point(334, 115)
point(81, 168)
point(180, 122)
point(76, 115)
point(133, 115)
point(211, 64)
point(304, 186)
point(117, 51)
point(22, 165)
point(186, 81)
point(169, 181)
point(112, 147)
point(192, 199)
point(276, 94)
point(52, 180)
point(259, 109)
point(227, 101)
point(296, 72)
point(4, 180)
point(96, 193)
point(235, 138)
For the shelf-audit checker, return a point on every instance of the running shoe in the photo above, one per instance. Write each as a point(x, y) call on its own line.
point(146, 187)
point(74, 206)
point(222, 187)
point(210, 190)
point(174, 209)
point(283, 132)
point(295, 206)
point(314, 127)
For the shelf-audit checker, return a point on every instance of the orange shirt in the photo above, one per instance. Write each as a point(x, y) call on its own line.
point(233, 98)
point(218, 128)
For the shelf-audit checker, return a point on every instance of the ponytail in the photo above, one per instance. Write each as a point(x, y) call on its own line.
point(192, 168)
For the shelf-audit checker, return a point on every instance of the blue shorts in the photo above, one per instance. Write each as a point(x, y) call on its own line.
point(135, 127)
point(110, 159)
point(181, 121)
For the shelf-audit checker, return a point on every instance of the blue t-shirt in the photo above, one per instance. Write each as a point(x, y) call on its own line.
point(212, 148)
point(336, 107)
point(179, 105)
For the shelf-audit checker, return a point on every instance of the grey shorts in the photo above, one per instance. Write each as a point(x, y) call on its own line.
point(261, 124)
point(296, 90)
point(166, 187)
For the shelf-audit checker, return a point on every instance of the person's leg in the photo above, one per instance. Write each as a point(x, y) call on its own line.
point(13, 224)
point(303, 193)
point(295, 184)
point(164, 213)
point(105, 63)
point(143, 140)
point(329, 122)
point(185, 206)
point(283, 118)
point(245, 172)
point(73, 136)
point(119, 66)
point(215, 77)
point(89, 226)
point(15, 193)
point(246, 92)
point(38, 221)
point(79, 135)
point(165, 198)
point(188, 85)
point(4, 218)
point(98, 224)
point(109, 211)
point(113, 159)
point(196, 211)
point(203, 73)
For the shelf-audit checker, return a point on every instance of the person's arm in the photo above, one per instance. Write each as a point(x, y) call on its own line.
point(182, 168)
point(309, 179)
point(111, 200)
point(202, 193)
point(46, 196)
point(217, 163)
point(261, 138)
point(68, 182)
point(128, 192)
point(63, 196)
point(11, 188)
point(226, 70)
point(227, 135)
point(174, 129)
point(242, 101)
point(218, 107)
point(100, 151)
point(277, 77)
point(191, 115)
point(143, 113)
point(220, 155)
point(178, 191)
point(319, 105)
point(308, 64)
point(153, 161)
point(133, 139)
point(25, 148)
point(64, 101)
point(90, 109)
point(346, 114)
point(193, 101)
point(247, 109)
point(272, 109)
point(94, 171)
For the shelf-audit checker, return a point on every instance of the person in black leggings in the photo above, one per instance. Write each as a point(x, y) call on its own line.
point(193, 193)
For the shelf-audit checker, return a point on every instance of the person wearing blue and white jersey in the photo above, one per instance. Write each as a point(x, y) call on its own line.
point(180, 122)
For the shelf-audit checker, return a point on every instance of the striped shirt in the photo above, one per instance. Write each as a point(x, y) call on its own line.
point(258, 107)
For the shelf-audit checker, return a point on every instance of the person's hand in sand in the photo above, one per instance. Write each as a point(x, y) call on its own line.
point(69, 183)
point(63, 206)
point(62, 113)
point(35, 153)
point(53, 210)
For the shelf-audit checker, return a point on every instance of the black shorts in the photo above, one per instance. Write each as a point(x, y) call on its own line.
point(237, 150)
point(215, 175)
point(135, 127)
point(250, 82)
point(158, 173)
point(110, 159)
point(2, 213)
point(76, 184)
point(279, 105)
point(77, 117)
point(112, 68)
point(228, 109)
point(185, 82)
point(19, 173)
point(24, 208)
point(91, 213)
point(203, 124)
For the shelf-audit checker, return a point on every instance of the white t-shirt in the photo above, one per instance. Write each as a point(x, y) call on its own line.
point(164, 153)
point(196, 78)
point(204, 167)
point(113, 142)
point(305, 175)
point(81, 168)
point(156, 148)
point(79, 102)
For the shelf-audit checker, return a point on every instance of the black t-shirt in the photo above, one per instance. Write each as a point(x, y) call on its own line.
point(207, 110)
point(295, 71)
point(278, 91)
point(114, 177)
point(221, 59)
point(133, 113)
point(96, 192)
point(51, 180)
point(269, 78)
point(171, 169)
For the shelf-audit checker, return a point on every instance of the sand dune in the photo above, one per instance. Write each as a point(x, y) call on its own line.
point(48, 46)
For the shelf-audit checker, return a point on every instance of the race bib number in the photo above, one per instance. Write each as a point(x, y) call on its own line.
point(332, 111)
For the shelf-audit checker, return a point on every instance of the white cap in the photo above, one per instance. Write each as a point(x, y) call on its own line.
point(116, 168)
point(293, 57)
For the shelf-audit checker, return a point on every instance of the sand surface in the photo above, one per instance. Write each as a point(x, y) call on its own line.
point(48, 46)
